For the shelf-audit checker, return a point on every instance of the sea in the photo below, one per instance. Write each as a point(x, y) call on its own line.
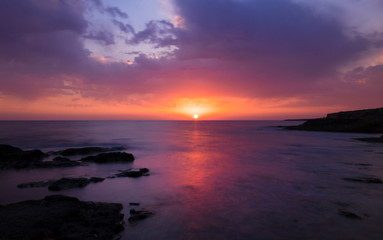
point(216, 179)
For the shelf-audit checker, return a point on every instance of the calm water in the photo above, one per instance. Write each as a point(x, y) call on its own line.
point(216, 179)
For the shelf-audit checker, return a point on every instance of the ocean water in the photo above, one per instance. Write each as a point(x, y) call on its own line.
point(216, 179)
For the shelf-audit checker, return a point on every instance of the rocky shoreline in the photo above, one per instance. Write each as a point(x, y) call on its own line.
point(59, 216)
point(15, 158)
point(360, 121)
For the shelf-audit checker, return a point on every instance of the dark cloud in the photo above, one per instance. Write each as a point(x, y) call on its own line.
point(39, 41)
point(158, 33)
point(126, 28)
point(110, 10)
point(277, 39)
point(116, 12)
point(103, 37)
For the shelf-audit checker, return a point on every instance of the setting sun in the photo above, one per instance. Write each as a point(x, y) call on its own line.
point(195, 116)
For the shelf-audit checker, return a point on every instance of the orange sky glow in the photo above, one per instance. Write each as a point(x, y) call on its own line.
point(172, 59)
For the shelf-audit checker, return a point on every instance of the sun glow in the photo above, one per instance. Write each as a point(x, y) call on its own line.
point(195, 116)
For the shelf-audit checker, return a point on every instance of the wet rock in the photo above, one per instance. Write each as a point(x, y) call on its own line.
point(363, 121)
point(110, 157)
point(87, 150)
point(133, 172)
point(348, 214)
point(60, 217)
point(67, 183)
point(96, 179)
point(35, 184)
point(377, 139)
point(364, 180)
point(342, 204)
point(63, 183)
point(13, 157)
point(60, 162)
point(138, 215)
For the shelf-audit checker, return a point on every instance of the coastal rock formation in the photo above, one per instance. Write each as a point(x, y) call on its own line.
point(110, 157)
point(137, 215)
point(15, 158)
point(35, 184)
point(377, 139)
point(364, 180)
point(63, 183)
point(60, 217)
point(350, 215)
point(362, 121)
point(87, 150)
point(133, 172)
point(67, 183)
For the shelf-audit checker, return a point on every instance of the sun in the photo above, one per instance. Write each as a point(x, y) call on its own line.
point(195, 116)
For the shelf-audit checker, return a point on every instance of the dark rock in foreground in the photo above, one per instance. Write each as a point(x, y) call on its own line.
point(15, 158)
point(364, 180)
point(63, 183)
point(362, 121)
point(67, 183)
point(35, 184)
point(60, 217)
point(87, 150)
point(378, 139)
point(133, 172)
point(110, 157)
point(348, 214)
point(139, 215)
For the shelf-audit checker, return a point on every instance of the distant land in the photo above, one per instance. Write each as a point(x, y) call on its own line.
point(359, 121)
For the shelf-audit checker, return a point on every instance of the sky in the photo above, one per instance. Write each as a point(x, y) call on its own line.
point(171, 59)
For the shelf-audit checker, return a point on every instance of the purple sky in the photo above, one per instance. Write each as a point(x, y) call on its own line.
point(232, 59)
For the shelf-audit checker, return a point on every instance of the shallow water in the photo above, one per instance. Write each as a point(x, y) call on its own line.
point(216, 179)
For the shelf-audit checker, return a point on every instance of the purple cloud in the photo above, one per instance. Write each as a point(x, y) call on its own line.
point(116, 12)
point(254, 49)
point(104, 37)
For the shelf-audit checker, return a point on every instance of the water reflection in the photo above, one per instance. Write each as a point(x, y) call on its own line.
point(217, 180)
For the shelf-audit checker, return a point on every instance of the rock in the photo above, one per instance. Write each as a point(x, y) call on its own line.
point(35, 184)
point(60, 217)
point(10, 153)
point(132, 172)
point(138, 215)
point(67, 183)
point(364, 180)
point(96, 179)
point(87, 150)
point(348, 214)
point(377, 139)
point(363, 121)
point(63, 183)
point(13, 157)
point(60, 162)
point(110, 157)
point(134, 204)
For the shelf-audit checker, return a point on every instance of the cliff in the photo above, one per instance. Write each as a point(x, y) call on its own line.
point(362, 121)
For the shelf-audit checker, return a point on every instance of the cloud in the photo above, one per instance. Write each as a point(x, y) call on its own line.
point(103, 37)
point(126, 28)
point(158, 33)
point(116, 12)
point(253, 49)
